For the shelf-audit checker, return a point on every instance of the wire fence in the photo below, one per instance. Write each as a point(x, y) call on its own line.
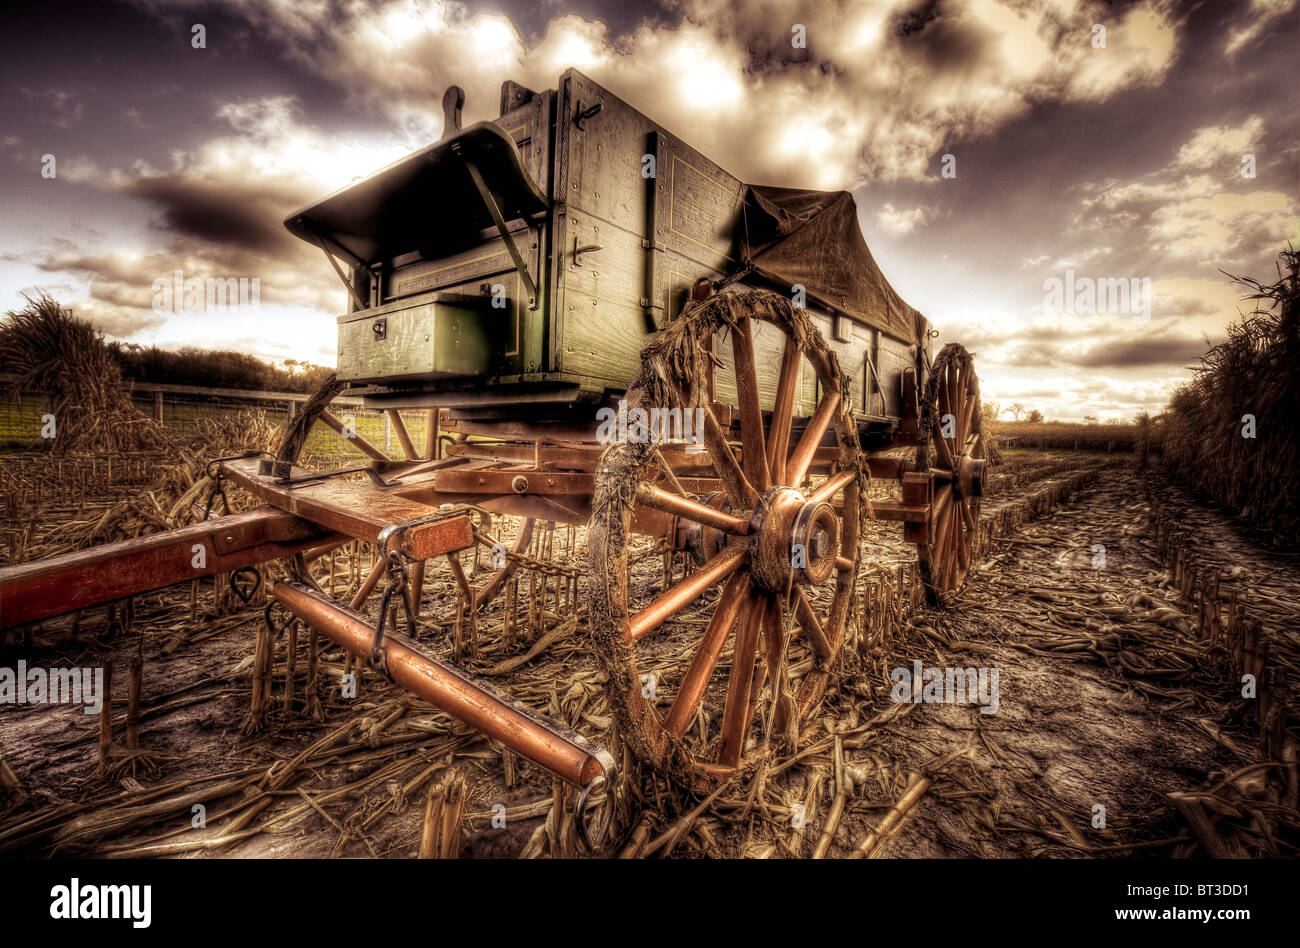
point(23, 418)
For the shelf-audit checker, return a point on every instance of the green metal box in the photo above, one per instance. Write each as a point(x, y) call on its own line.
point(427, 338)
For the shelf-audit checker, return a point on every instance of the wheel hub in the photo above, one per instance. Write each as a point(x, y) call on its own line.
point(968, 476)
point(792, 540)
point(704, 543)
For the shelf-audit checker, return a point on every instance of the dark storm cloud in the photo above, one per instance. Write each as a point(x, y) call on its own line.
point(944, 44)
point(207, 213)
point(1141, 351)
point(914, 20)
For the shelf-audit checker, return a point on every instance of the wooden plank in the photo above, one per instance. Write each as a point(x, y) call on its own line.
point(358, 509)
point(45, 588)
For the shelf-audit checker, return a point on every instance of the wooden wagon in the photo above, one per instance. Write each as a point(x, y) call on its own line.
point(605, 329)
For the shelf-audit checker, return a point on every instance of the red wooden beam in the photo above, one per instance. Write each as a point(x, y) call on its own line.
point(42, 589)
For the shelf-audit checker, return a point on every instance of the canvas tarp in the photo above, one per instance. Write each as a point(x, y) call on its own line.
point(812, 238)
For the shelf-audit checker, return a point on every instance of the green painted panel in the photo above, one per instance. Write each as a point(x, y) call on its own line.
point(429, 340)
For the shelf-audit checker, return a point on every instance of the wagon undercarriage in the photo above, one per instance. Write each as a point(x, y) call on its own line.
point(768, 380)
point(767, 508)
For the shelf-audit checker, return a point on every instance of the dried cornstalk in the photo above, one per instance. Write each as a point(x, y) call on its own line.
point(916, 788)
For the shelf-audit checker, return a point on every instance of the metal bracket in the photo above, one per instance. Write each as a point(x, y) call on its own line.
point(352, 291)
point(579, 251)
point(499, 220)
point(590, 111)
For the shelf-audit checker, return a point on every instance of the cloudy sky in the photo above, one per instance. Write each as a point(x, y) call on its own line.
point(1102, 140)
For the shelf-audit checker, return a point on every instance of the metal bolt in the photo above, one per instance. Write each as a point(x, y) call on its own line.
point(821, 543)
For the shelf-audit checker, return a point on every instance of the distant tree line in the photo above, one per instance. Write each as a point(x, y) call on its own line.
point(220, 368)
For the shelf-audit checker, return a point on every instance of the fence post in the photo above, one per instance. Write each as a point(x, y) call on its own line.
point(291, 408)
point(158, 407)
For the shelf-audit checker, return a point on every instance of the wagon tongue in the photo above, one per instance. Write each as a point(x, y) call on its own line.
point(449, 688)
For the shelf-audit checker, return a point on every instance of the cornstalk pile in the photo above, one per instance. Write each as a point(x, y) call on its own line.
point(50, 350)
point(1205, 437)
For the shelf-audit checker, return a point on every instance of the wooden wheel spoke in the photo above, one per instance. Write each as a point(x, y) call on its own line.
point(705, 660)
point(739, 489)
point(774, 659)
point(967, 413)
point(943, 514)
point(943, 453)
point(811, 439)
point(673, 600)
point(810, 624)
point(953, 537)
point(962, 540)
point(754, 450)
point(735, 715)
point(652, 496)
point(778, 442)
point(950, 387)
point(834, 484)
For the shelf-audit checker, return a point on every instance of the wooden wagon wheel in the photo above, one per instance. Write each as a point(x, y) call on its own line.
point(290, 448)
point(720, 721)
point(953, 449)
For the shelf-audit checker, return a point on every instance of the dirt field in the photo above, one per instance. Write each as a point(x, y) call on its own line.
point(1109, 695)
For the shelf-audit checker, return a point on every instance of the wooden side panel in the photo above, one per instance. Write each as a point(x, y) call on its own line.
point(894, 357)
point(530, 127)
point(656, 238)
point(603, 156)
point(600, 294)
point(606, 325)
point(697, 206)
